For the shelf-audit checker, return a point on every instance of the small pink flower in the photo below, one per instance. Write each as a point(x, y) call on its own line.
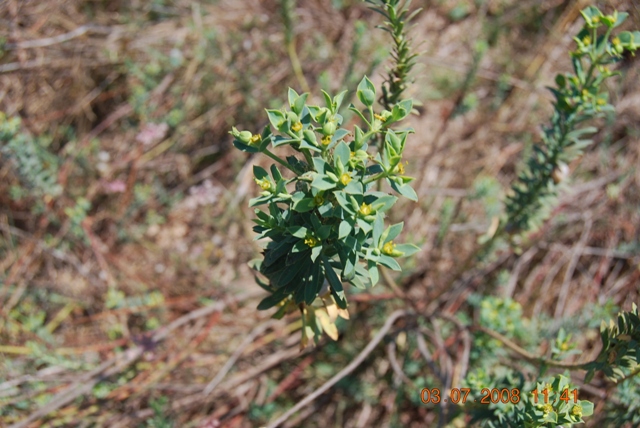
point(152, 133)
point(116, 186)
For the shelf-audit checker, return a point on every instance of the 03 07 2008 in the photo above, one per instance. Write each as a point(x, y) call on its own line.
point(461, 396)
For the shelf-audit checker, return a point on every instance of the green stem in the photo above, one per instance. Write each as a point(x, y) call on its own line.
point(308, 157)
point(279, 160)
point(375, 177)
point(532, 358)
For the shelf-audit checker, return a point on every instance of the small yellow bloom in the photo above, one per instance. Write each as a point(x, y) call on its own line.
point(576, 410)
point(318, 200)
point(388, 248)
point(296, 127)
point(265, 183)
point(377, 116)
point(547, 408)
point(399, 169)
point(601, 101)
point(585, 93)
point(311, 241)
point(365, 209)
point(345, 179)
point(586, 40)
point(615, 41)
point(595, 19)
point(326, 140)
point(256, 138)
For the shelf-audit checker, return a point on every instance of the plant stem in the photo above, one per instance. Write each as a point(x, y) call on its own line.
point(375, 177)
point(532, 358)
point(279, 160)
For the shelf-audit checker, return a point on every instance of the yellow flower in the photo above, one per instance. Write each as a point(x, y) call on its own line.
point(576, 410)
point(345, 179)
point(586, 40)
point(311, 241)
point(365, 209)
point(256, 138)
point(547, 408)
point(615, 41)
point(318, 200)
point(265, 183)
point(399, 169)
point(388, 248)
point(296, 127)
point(326, 140)
point(377, 116)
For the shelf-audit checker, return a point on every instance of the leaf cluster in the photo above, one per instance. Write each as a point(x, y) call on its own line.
point(620, 347)
point(579, 96)
point(397, 16)
point(325, 224)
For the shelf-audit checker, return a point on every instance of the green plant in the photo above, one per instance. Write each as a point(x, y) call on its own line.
point(579, 97)
point(37, 167)
point(397, 16)
point(327, 221)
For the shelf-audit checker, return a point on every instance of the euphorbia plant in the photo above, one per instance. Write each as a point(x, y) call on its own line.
point(324, 218)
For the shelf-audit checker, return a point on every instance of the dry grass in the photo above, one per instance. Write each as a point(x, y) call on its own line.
point(169, 228)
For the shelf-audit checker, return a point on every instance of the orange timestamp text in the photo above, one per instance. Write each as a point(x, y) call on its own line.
point(461, 396)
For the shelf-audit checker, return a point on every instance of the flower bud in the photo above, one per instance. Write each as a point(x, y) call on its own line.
point(309, 136)
point(329, 128)
point(244, 136)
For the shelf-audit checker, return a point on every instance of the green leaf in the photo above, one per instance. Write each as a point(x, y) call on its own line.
point(315, 252)
point(298, 105)
point(298, 231)
point(277, 118)
point(275, 173)
point(392, 232)
point(378, 227)
point(272, 300)
point(346, 205)
point(254, 202)
point(302, 204)
point(314, 284)
point(244, 147)
point(587, 407)
point(343, 153)
point(384, 203)
point(336, 285)
point(320, 165)
point(337, 100)
point(307, 146)
point(366, 227)
point(405, 190)
point(328, 101)
point(407, 249)
point(354, 188)
point(622, 16)
point(374, 275)
point(291, 273)
point(322, 182)
point(389, 262)
point(292, 95)
point(344, 229)
point(259, 172)
point(281, 141)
